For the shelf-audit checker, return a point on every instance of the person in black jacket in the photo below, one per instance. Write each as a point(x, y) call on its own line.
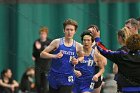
point(27, 83)
point(42, 65)
point(122, 35)
point(128, 62)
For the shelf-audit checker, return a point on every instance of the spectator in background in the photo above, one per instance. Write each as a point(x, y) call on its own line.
point(133, 25)
point(7, 83)
point(27, 83)
point(42, 65)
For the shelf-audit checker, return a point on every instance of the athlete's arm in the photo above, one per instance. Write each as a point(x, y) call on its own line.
point(111, 55)
point(100, 61)
point(53, 45)
point(80, 52)
point(100, 57)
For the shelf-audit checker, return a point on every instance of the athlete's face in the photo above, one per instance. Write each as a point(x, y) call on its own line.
point(87, 41)
point(69, 31)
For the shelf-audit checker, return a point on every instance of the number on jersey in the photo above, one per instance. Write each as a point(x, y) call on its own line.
point(70, 78)
point(90, 62)
point(92, 85)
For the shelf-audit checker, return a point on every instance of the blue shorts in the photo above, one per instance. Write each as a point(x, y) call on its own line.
point(83, 86)
point(56, 80)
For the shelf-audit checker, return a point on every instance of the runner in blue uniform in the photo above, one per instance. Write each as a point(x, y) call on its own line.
point(85, 70)
point(99, 83)
point(66, 53)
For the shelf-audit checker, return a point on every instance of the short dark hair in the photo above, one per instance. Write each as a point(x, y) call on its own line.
point(87, 32)
point(133, 42)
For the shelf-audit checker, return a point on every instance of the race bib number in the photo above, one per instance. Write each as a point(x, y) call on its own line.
point(70, 78)
point(92, 85)
point(90, 62)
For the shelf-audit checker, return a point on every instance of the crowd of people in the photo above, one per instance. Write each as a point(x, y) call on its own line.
point(10, 85)
point(64, 65)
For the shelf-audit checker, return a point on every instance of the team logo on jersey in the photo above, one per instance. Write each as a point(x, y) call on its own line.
point(67, 52)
